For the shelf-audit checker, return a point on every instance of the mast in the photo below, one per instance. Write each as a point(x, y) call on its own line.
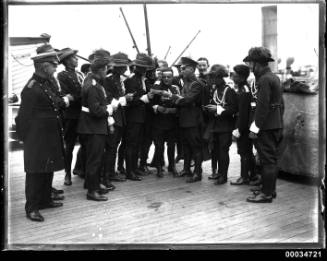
point(187, 46)
point(130, 32)
point(147, 30)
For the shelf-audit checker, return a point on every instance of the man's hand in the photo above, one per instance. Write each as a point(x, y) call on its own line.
point(161, 109)
point(236, 133)
point(252, 135)
point(70, 97)
point(150, 95)
point(211, 107)
point(129, 96)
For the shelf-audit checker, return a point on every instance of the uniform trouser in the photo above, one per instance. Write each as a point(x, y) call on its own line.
point(192, 146)
point(160, 136)
point(80, 158)
point(70, 137)
point(37, 190)
point(179, 144)
point(112, 142)
point(222, 142)
point(94, 149)
point(267, 145)
point(134, 134)
point(122, 150)
point(214, 159)
point(146, 143)
point(245, 150)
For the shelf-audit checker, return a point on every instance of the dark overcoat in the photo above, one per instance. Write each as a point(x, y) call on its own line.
point(39, 126)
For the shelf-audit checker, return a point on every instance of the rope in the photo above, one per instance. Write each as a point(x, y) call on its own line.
point(26, 65)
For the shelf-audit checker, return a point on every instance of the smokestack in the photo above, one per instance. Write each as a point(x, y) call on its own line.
point(269, 32)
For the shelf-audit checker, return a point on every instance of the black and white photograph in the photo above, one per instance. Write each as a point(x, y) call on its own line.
point(164, 125)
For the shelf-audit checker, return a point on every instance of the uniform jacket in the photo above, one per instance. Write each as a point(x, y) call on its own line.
point(115, 90)
point(226, 121)
point(269, 109)
point(94, 98)
point(244, 114)
point(161, 120)
point(190, 111)
point(71, 83)
point(39, 126)
point(135, 109)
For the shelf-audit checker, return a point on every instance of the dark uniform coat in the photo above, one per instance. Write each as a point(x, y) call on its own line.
point(114, 90)
point(71, 83)
point(39, 126)
point(225, 122)
point(93, 98)
point(161, 120)
point(269, 109)
point(190, 112)
point(135, 111)
point(245, 112)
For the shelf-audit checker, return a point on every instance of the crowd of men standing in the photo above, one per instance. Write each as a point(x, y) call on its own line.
point(112, 114)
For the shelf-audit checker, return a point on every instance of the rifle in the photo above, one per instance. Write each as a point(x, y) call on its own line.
point(130, 32)
point(187, 46)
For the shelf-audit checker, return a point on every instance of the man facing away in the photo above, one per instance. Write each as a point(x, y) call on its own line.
point(267, 127)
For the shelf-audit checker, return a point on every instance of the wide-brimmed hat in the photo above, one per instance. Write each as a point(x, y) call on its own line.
point(259, 54)
point(119, 60)
point(144, 60)
point(218, 70)
point(65, 53)
point(242, 70)
point(99, 58)
point(45, 53)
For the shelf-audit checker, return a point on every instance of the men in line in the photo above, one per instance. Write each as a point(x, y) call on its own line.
point(116, 97)
point(71, 83)
point(165, 122)
point(39, 126)
point(223, 110)
point(190, 119)
point(244, 119)
point(93, 123)
point(135, 113)
point(266, 129)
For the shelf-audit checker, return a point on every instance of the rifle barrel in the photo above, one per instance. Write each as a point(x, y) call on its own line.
point(129, 30)
point(187, 46)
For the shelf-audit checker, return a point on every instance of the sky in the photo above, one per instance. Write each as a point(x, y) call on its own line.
point(227, 30)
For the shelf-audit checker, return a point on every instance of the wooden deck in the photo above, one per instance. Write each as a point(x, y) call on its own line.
point(164, 211)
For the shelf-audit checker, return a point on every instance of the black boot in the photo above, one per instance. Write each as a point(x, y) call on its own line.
point(159, 172)
point(68, 179)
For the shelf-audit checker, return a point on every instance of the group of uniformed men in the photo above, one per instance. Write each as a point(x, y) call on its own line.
point(110, 113)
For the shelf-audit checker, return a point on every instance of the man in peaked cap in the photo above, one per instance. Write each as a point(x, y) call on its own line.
point(71, 83)
point(190, 119)
point(94, 122)
point(266, 129)
point(39, 126)
point(222, 110)
point(117, 98)
point(136, 112)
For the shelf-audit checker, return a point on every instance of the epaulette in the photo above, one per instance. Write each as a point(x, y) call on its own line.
point(109, 75)
point(30, 84)
point(131, 75)
point(157, 82)
point(246, 88)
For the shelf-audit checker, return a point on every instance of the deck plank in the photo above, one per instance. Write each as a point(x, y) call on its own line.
point(166, 210)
